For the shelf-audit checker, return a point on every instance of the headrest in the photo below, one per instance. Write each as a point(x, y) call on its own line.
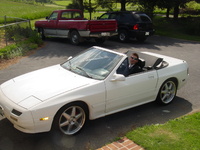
point(141, 63)
point(158, 61)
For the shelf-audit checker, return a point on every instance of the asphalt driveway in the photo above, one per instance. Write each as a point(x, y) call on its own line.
point(104, 130)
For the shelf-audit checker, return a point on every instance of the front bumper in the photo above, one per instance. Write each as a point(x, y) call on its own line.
point(22, 119)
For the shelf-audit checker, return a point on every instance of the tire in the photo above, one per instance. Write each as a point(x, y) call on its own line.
point(71, 118)
point(167, 92)
point(41, 34)
point(74, 37)
point(123, 36)
point(100, 40)
point(141, 38)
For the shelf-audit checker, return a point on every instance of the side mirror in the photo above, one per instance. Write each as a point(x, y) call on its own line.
point(118, 77)
point(70, 57)
point(47, 17)
point(98, 17)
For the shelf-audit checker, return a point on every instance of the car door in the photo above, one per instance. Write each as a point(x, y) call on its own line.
point(136, 89)
point(51, 24)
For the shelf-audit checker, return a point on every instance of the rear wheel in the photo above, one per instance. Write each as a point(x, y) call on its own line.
point(75, 37)
point(71, 118)
point(167, 92)
point(123, 35)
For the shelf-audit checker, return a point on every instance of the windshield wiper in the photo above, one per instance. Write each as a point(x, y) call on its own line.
point(84, 72)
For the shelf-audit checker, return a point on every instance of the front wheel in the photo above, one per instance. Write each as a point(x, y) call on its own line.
point(41, 34)
point(70, 119)
point(167, 92)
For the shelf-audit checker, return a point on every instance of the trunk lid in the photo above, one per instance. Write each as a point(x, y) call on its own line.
point(102, 25)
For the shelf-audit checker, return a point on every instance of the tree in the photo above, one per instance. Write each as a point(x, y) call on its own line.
point(90, 7)
point(168, 4)
point(123, 4)
point(173, 4)
point(110, 3)
point(80, 2)
point(148, 6)
point(76, 4)
point(177, 5)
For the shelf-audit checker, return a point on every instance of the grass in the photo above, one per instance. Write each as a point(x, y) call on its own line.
point(22, 10)
point(184, 28)
point(178, 134)
point(62, 3)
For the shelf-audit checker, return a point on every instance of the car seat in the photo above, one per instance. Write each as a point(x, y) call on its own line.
point(141, 63)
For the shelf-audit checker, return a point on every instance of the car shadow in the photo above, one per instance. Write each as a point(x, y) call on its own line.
point(96, 133)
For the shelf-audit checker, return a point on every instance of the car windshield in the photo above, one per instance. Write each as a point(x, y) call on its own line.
point(94, 63)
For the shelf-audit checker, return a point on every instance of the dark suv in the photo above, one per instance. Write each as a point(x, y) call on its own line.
point(131, 24)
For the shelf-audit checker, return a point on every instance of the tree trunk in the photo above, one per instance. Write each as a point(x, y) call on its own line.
point(167, 13)
point(81, 5)
point(176, 12)
point(123, 5)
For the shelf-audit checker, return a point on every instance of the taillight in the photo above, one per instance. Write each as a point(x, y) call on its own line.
point(136, 27)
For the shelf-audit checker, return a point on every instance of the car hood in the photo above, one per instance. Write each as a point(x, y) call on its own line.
point(34, 87)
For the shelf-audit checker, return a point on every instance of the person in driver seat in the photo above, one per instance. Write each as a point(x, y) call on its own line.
point(130, 66)
point(133, 66)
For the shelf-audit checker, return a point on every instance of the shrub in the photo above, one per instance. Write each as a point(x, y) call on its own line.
point(25, 39)
point(192, 26)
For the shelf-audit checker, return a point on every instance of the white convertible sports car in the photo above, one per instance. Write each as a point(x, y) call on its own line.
point(88, 86)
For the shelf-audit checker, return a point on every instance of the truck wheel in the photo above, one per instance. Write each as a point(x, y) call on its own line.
point(75, 37)
point(41, 34)
point(123, 36)
point(100, 40)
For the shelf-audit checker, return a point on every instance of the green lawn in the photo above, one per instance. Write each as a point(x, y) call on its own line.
point(187, 28)
point(63, 3)
point(22, 10)
point(178, 134)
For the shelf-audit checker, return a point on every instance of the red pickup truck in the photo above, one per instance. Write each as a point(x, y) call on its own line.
point(71, 24)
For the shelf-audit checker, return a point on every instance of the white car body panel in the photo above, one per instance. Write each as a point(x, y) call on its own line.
point(132, 92)
point(52, 76)
point(177, 68)
point(43, 92)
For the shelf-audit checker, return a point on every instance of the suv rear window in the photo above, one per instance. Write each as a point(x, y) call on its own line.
point(143, 17)
point(105, 16)
point(108, 16)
